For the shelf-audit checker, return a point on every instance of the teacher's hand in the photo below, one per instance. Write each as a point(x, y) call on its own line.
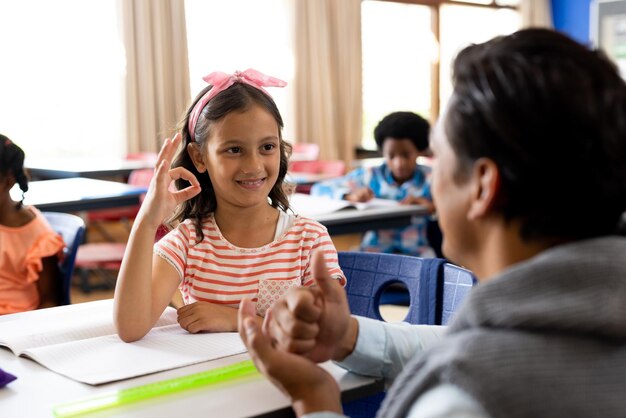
point(314, 322)
point(310, 387)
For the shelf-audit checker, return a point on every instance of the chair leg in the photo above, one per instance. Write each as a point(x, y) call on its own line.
point(107, 283)
point(84, 280)
point(102, 231)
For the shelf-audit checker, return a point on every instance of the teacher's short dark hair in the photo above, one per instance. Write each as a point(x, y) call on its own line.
point(551, 114)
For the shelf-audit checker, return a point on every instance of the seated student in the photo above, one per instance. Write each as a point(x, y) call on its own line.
point(234, 237)
point(401, 137)
point(28, 245)
point(534, 120)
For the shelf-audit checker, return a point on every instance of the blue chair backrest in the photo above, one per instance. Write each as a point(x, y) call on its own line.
point(457, 283)
point(72, 229)
point(436, 288)
point(369, 274)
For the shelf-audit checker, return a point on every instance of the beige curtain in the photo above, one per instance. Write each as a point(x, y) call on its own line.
point(157, 80)
point(328, 104)
point(536, 14)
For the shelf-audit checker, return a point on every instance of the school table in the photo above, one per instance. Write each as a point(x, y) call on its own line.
point(350, 221)
point(308, 179)
point(58, 168)
point(38, 389)
point(376, 161)
point(78, 194)
point(342, 217)
point(304, 181)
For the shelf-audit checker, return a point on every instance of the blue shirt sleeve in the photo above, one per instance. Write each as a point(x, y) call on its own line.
point(339, 187)
point(382, 349)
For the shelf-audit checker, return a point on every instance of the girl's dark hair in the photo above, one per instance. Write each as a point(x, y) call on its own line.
point(12, 163)
point(237, 98)
point(552, 115)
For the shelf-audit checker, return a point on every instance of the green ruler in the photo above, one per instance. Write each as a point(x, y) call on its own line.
point(152, 390)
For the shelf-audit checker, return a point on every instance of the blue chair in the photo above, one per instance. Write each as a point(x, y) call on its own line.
point(457, 283)
point(370, 274)
point(436, 288)
point(72, 229)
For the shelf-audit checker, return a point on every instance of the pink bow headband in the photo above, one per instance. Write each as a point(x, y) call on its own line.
point(221, 81)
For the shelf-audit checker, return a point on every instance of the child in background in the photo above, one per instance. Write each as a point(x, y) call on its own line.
point(28, 245)
point(234, 238)
point(401, 137)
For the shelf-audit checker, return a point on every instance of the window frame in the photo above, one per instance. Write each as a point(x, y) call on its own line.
point(435, 25)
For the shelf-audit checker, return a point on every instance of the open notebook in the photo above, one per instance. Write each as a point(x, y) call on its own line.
point(80, 342)
point(310, 206)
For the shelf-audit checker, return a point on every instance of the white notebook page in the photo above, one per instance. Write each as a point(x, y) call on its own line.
point(80, 342)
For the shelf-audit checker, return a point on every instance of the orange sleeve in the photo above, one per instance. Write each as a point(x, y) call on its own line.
point(48, 244)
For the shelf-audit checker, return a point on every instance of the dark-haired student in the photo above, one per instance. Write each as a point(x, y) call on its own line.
point(401, 137)
point(28, 245)
point(535, 121)
point(233, 236)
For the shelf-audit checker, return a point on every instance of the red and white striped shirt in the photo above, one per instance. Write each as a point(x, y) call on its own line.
point(214, 270)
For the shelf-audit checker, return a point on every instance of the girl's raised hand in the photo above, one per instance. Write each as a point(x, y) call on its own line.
point(160, 200)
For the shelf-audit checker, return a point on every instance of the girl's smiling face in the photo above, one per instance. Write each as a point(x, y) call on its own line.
point(242, 156)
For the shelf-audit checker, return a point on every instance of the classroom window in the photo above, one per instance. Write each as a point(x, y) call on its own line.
point(479, 25)
point(240, 34)
point(409, 46)
point(62, 77)
point(398, 48)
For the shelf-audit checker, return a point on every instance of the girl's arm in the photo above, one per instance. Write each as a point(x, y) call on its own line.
point(209, 317)
point(145, 283)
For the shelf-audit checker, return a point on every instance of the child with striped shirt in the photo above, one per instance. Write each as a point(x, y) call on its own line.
point(234, 237)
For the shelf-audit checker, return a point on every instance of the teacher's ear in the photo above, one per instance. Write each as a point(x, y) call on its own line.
point(486, 183)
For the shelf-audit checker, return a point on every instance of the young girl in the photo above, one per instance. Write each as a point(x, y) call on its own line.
point(28, 245)
point(235, 238)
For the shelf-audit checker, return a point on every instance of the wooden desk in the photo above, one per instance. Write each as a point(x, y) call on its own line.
point(308, 178)
point(37, 390)
point(304, 181)
point(376, 161)
point(341, 220)
point(59, 168)
point(78, 194)
point(350, 221)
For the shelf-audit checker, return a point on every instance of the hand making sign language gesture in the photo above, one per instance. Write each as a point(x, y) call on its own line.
point(306, 326)
point(138, 312)
point(161, 199)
